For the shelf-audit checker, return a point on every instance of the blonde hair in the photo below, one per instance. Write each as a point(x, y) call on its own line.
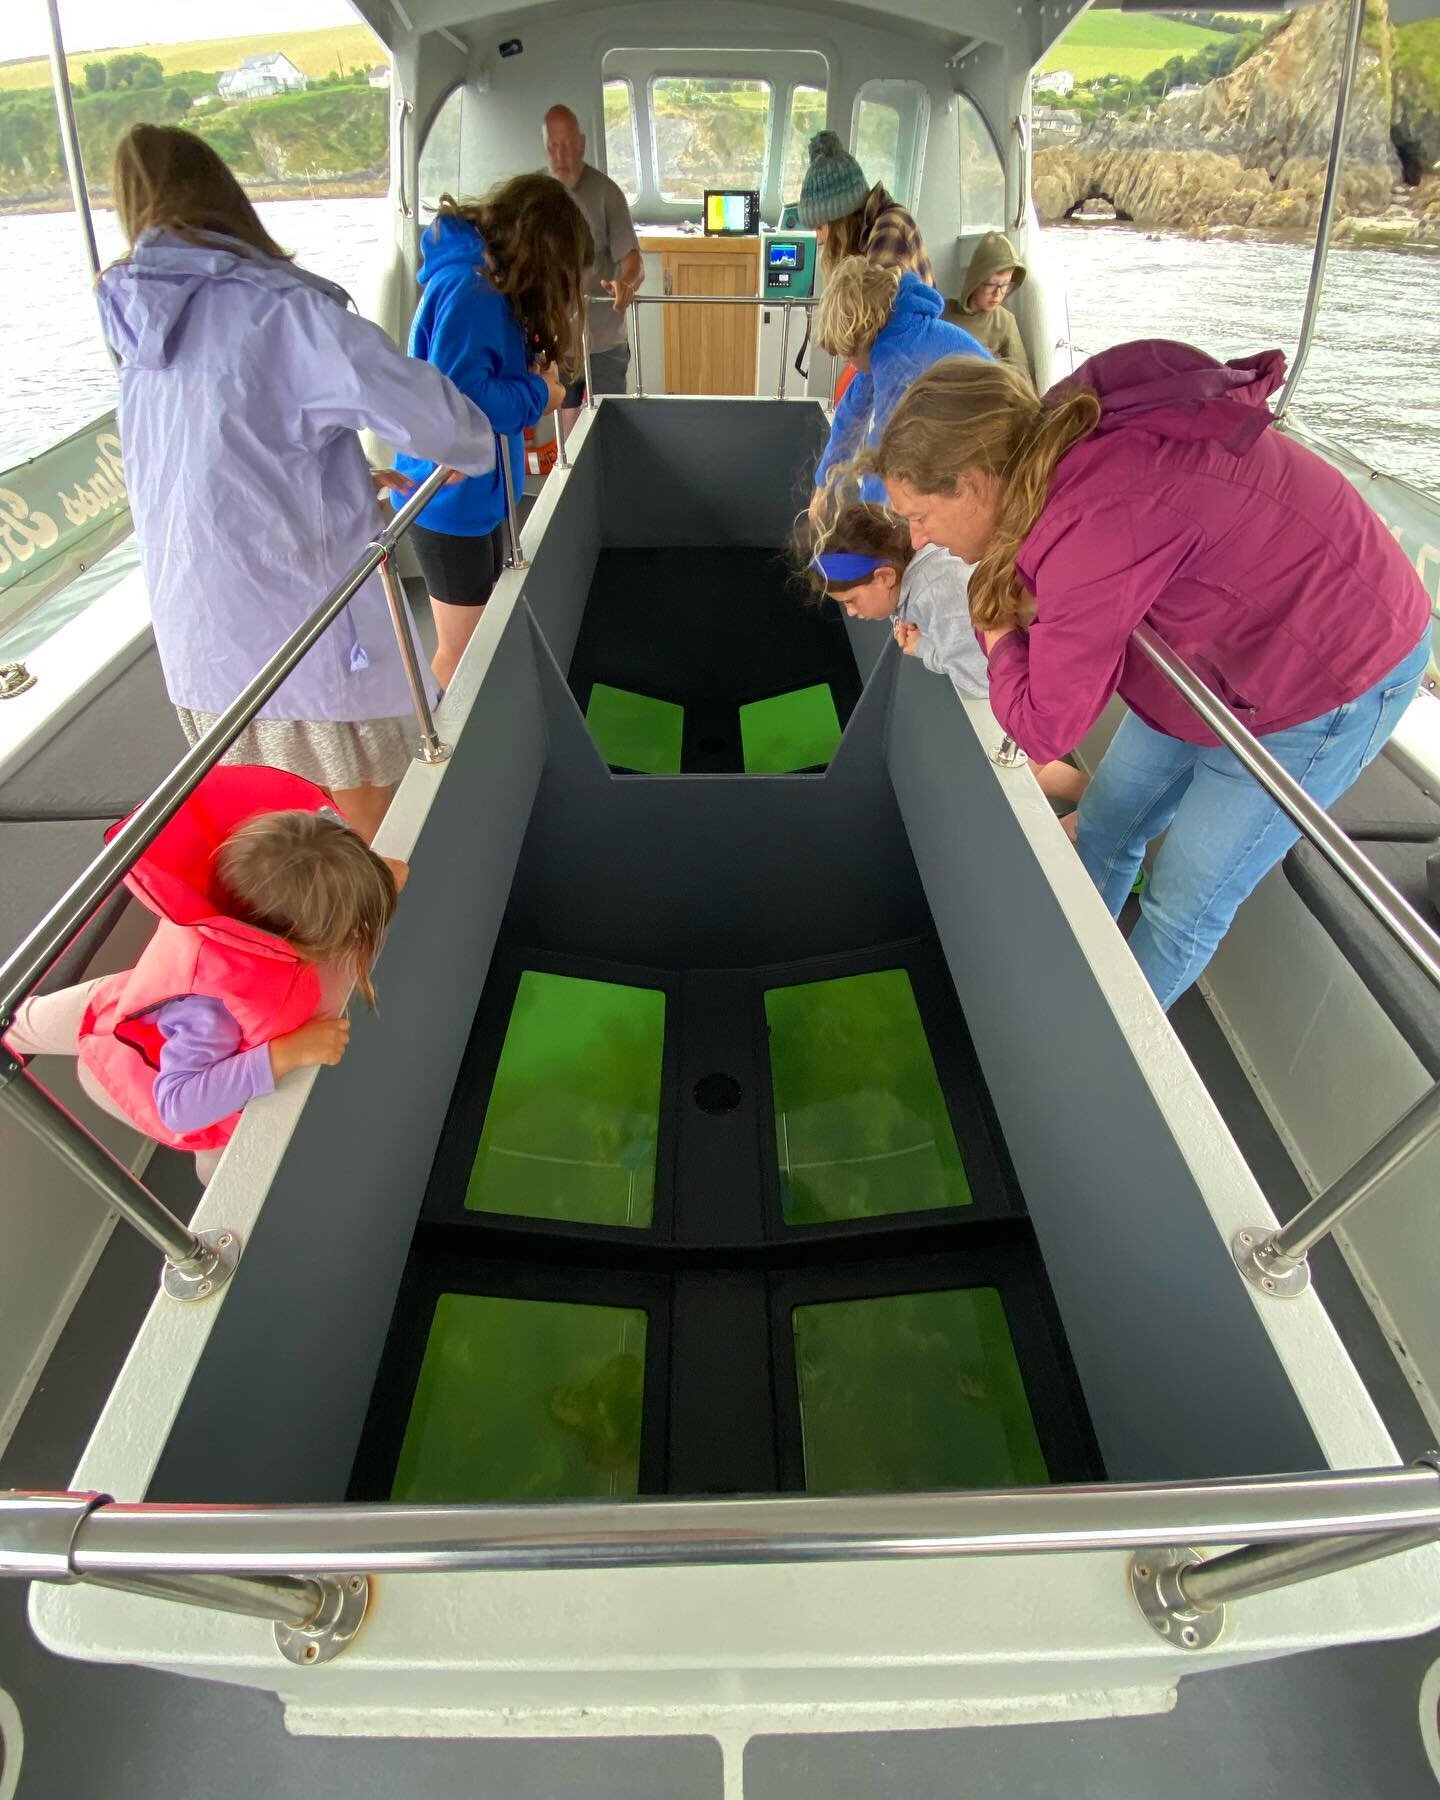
point(842, 240)
point(859, 527)
point(171, 180)
point(856, 306)
point(308, 878)
point(537, 248)
point(965, 413)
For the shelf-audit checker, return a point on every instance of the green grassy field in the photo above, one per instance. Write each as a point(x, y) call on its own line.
point(312, 52)
point(1116, 43)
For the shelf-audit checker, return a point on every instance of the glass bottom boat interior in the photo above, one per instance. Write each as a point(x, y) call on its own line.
point(725, 1126)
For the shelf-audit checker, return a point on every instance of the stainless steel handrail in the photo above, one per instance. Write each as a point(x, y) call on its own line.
point(1274, 1261)
point(1414, 935)
point(102, 1537)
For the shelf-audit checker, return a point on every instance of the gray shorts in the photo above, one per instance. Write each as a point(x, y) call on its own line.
point(609, 370)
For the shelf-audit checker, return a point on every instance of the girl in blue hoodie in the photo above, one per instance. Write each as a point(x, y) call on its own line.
point(887, 322)
point(500, 315)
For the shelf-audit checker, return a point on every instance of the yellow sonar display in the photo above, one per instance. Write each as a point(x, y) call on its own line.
point(731, 212)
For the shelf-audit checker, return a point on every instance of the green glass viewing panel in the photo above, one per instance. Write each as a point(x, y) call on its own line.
point(634, 731)
point(861, 1124)
point(792, 731)
point(525, 1400)
point(913, 1391)
point(571, 1127)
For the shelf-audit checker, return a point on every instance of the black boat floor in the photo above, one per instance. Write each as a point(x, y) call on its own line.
point(1335, 1722)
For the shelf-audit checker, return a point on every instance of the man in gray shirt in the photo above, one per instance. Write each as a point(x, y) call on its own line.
point(618, 269)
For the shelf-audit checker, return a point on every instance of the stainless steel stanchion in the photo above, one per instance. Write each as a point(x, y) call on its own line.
point(512, 512)
point(431, 750)
point(197, 1264)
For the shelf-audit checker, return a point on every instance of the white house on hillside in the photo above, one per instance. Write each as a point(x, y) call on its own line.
point(379, 76)
point(1058, 81)
point(270, 73)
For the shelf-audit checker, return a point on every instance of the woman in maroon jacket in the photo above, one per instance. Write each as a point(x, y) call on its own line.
point(1151, 487)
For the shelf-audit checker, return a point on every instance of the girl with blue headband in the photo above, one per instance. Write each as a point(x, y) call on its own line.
point(864, 561)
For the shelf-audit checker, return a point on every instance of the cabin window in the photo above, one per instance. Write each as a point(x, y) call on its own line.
point(709, 132)
point(622, 139)
point(440, 154)
point(982, 172)
point(807, 116)
point(887, 135)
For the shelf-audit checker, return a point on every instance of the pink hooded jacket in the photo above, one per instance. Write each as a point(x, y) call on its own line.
point(1247, 553)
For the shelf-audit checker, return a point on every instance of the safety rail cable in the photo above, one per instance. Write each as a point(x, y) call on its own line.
point(55, 1536)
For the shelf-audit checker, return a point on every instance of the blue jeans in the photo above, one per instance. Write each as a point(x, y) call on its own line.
point(1224, 830)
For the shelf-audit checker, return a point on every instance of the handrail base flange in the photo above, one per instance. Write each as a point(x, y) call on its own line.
point(332, 1630)
point(207, 1278)
point(1279, 1276)
point(1155, 1586)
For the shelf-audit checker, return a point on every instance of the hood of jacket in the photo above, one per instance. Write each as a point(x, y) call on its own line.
point(144, 299)
point(175, 878)
point(993, 253)
point(450, 243)
point(1176, 391)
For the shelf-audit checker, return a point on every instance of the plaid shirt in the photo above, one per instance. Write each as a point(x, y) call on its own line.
point(890, 238)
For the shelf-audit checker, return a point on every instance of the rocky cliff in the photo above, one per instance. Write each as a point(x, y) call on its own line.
point(1249, 150)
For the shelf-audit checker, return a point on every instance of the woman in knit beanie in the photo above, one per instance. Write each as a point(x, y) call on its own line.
point(851, 218)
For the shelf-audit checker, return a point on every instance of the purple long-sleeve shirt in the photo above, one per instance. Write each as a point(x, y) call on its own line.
point(204, 1075)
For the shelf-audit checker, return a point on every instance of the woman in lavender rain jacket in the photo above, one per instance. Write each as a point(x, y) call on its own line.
point(243, 383)
point(1151, 487)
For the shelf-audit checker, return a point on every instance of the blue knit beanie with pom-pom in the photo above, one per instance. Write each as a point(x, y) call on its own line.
point(834, 184)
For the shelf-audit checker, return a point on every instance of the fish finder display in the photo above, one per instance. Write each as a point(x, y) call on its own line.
point(731, 212)
point(784, 256)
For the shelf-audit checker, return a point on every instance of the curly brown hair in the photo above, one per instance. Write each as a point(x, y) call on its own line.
point(537, 249)
point(860, 527)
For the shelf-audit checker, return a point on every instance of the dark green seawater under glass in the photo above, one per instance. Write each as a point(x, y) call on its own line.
point(912, 1391)
point(525, 1400)
point(793, 731)
point(861, 1124)
point(635, 732)
point(571, 1127)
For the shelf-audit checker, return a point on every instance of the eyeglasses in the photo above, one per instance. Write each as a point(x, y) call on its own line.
point(1002, 288)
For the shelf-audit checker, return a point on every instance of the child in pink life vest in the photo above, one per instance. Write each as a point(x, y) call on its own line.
point(258, 885)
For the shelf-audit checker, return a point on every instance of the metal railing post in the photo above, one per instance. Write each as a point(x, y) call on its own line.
point(70, 138)
point(516, 558)
point(639, 347)
point(197, 1264)
point(784, 347)
point(585, 351)
point(1009, 755)
point(1274, 1261)
point(431, 750)
point(1349, 62)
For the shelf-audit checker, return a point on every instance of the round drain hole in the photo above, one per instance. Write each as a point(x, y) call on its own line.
point(717, 1093)
point(712, 746)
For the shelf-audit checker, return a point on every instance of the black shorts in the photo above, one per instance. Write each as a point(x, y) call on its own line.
point(461, 571)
